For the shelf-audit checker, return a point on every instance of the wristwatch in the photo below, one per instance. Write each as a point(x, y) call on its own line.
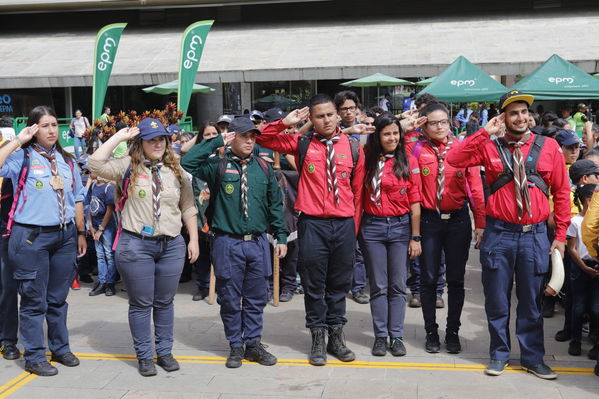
point(101, 228)
point(416, 238)
point(81, 232)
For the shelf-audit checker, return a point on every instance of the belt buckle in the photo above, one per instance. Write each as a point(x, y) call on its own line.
point(527, 228)
point(248, 237)
point(445, 216)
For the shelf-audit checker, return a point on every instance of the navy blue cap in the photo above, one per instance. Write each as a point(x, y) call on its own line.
point(255, 114)
point(150, 128)
point(582, 167)
point(173, 129)
point(274, 114)
point(225, 119)
point(243, 125)
point(567, 137)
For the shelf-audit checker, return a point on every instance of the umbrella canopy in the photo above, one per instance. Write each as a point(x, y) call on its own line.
point(596, 76)
point(462, 81)
point(378, 79)
point(558, 79)
point(172, 87)
point(276, 100)
point(426, 82)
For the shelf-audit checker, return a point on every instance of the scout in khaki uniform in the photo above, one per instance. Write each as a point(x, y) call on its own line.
point(150, 252)
point(247, 200)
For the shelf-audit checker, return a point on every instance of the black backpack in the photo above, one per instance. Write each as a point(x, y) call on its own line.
point(532, 160)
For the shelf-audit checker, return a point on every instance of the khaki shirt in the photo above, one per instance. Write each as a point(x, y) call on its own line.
point(176, 201)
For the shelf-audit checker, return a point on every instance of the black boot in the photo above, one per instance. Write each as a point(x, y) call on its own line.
point(256, 352)
point(98, 289)
point(336, 345)
point(452, 342)
point(67, 359)
point(318, 354)
point(110, 290)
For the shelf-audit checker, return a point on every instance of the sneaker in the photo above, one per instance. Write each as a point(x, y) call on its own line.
point(43, 369)
point(496, 367)
point(380, 346)
point(168, 363)
point(415, 301)
point(110, 290)
point(439, 303)
point(360, 297)
point(10, 352)
point(99, 288)
point(562, 336)
point(452, 342)
point(336, 345)
point(574, 348)
point(201, 294)
point(318, 353)
point(432, 344)
point(397, 347)
point(235, 357)
point(146, 367)
point(541, 370)
point(593, 352)
point(68, 359)
point(285, 296)
point(257, 352)
point(86, 278)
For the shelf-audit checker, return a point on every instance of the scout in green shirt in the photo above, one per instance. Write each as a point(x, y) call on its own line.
point(247, 200)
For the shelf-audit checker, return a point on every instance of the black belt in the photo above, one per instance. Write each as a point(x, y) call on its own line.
point(150, 238)
point(384, 218)
point(243, 237)
point(518, 228)
point(445, 215)
point(45, 229)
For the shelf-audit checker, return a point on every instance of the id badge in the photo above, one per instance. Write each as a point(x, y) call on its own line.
point(147, 231)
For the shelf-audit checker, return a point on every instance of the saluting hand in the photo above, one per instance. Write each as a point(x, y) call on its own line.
point(127, 133)
point(359, 128)
point(495, 125)
point(228, 137)
point(27, 133)
point(296, 116)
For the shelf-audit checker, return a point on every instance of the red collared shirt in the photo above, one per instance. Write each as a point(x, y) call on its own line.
point(458, 182)
point(397, 195)
point(314, 197)
point(478, 149)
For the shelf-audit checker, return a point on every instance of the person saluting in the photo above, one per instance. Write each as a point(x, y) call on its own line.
point(47, 232)
point(522, 168)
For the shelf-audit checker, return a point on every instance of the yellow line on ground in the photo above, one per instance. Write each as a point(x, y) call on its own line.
point(337, 363)
point(15, 384)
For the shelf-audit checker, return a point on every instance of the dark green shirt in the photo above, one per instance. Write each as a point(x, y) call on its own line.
point(265, 198)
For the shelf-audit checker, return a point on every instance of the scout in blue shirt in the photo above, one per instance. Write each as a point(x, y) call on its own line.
point(44, 240)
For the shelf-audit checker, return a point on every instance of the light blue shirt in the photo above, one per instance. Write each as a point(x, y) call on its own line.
point(484, 117)
point(39, 198)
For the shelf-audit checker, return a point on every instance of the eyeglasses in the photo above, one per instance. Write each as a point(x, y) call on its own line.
point(346, 109)
point(441, 123)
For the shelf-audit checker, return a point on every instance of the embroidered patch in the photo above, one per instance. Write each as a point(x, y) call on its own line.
point(343, 156)
point(459, 174)
point(426, 171)
point(229, 188)
point(344, 174)
point(415, 171)
point(38, 167)
point(141, 194)
point(39, 185)
point(38, 172)
point(236, 172)
point(143, 176)
point(35, 162)
point(311, 168)
point(402, 191)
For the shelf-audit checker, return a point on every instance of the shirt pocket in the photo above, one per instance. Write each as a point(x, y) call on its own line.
point(343, 168)
point(230, 184)
point(397, 192)
point(259, 184)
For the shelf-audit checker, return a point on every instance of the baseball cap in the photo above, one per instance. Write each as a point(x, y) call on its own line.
point(582, 105)
point(173, 129)
point(513, 96)
point(150, 128)
point(567, 137)
point(224, 119)
point(255, 114)
point(582, 167)
point(274, 114)
point(243, 125)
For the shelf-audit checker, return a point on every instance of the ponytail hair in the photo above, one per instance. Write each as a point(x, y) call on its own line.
point(582, 193)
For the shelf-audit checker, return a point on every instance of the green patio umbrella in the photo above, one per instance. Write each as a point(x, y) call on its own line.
point(426, 82)
point(379, 80)
point(172, 87)
point(596, 76)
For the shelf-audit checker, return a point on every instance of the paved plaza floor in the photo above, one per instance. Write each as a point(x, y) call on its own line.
point(100, 337)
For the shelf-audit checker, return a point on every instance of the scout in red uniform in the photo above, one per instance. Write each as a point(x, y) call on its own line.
point(521, 169)
point(445, 223)
point(330, 201)
point(388, 232)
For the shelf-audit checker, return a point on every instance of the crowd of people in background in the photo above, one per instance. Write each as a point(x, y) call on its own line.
point(361, 202)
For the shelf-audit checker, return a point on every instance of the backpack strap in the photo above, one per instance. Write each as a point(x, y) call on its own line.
point(264, 166)
point(354, 145)
point(417, 149)
point(121, 204)
point(23, 174)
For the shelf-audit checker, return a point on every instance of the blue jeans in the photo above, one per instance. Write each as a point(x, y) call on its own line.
point(106, 266)
point(79, 145)
point(384, 242)
point(9, 309)
point(151, 272)
point(359, 279)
